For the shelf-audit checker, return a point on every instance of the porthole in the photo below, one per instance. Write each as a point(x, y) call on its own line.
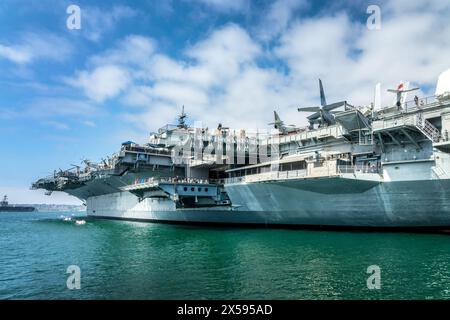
point(185, 188)
point(199, 189)
point(192, 189)
point(206, 189)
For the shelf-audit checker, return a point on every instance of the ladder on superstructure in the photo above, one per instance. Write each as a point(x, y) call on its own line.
point(424, 126)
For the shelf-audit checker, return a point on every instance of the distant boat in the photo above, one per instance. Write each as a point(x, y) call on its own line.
point(6, 207)
point(80, 222)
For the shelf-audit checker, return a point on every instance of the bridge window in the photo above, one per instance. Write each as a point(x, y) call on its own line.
point(298, 165)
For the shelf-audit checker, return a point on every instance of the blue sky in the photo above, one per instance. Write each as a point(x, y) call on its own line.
point(72, 94)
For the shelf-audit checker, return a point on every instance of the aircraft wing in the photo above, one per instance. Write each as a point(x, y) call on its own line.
point(410, 89)
point(314, 116)
point(335, 105)
point(309, 109)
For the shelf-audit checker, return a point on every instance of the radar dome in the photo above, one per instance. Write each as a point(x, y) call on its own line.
point(443, 83)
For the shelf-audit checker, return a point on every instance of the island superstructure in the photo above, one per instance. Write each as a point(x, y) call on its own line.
point(352, 166)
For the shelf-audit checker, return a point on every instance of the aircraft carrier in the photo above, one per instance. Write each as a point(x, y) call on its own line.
point(353, 166)
point(6, 207)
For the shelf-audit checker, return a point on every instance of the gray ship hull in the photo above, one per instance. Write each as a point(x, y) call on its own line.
point(17, 209)
point(332, 202)
point(346, 202)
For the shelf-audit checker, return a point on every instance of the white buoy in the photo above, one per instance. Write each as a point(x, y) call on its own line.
point(80, 222)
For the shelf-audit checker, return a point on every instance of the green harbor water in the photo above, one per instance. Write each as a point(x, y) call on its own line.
point(132, 260)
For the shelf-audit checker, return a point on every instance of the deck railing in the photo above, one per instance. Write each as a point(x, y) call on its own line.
point(358, 169)
point(295, 174)
point(421, 103)
point(171, 180)
point(271, 175)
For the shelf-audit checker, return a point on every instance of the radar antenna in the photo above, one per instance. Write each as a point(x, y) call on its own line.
point(182, 119)
point(4, 203)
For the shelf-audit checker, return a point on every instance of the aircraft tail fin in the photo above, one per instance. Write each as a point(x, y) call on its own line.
point(276, 117)
point(323, 101)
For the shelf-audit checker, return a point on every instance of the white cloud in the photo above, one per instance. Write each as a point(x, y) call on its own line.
point(97, 21)
point(103, 82)
point(15, 54)
point(405, 6)
point(164, 68)
point(228, 44)
point(112, 71)
point(351, 59)
point(33, 46)
point(57, 125)
point(311, 55)
point(89, 123)
point(179, 94)
point(53, 112)
point(225, 5)
point(134, 50)
point(138, 96)
point(152, 80)
point(279, 14)
point(220, 78)
point(152, 118)
point(59, 107)
point(8, 113)
point(211, 62)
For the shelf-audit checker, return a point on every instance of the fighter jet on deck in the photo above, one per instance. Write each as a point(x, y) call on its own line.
point(323, 114)
point(279, 124)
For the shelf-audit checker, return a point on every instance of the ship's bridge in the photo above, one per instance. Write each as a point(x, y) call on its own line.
point(409, 127)
point(423, 124)
point(356, 125)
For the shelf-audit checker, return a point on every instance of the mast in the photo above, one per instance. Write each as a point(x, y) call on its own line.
point(182, 119)
point(4, 203)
